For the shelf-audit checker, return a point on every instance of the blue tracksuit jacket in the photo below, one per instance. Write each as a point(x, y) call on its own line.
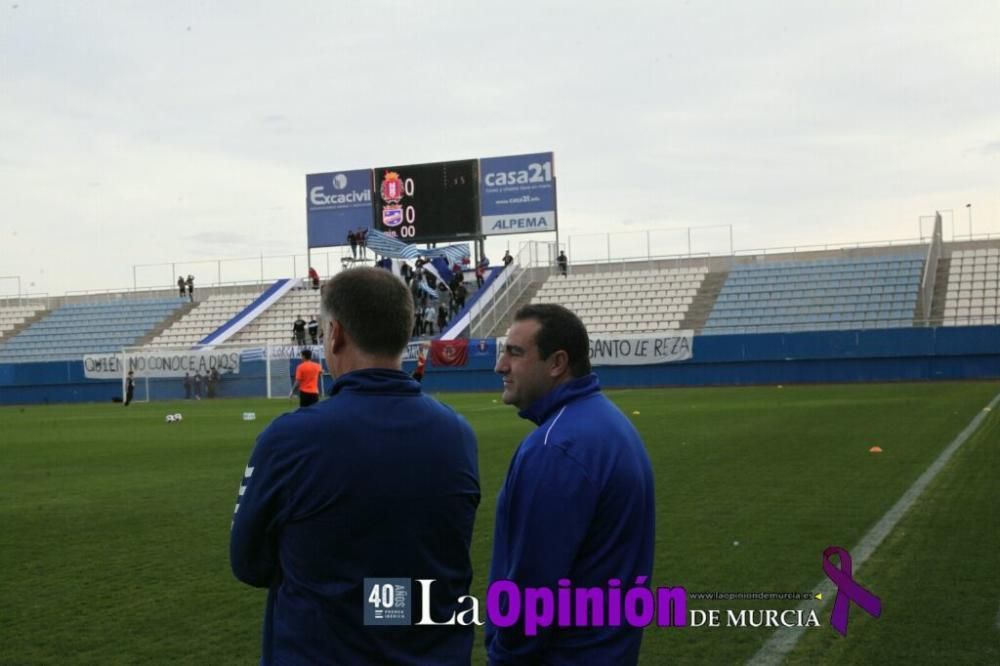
point(380, 480)
point(578, 503)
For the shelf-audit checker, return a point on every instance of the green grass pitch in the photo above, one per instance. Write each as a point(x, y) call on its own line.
point(114, 525)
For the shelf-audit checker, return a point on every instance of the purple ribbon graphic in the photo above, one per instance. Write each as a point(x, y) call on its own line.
point(848, 590)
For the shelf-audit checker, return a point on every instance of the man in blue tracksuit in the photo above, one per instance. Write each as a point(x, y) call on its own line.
point(578, 501)
point(379, 481)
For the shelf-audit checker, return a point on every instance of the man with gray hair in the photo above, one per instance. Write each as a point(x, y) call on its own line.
point(378, 482)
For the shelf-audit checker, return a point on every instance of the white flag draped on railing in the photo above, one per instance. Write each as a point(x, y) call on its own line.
point(387, 246)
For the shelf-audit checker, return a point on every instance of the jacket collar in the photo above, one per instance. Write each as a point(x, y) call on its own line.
point(375, 380)
point(539, 411)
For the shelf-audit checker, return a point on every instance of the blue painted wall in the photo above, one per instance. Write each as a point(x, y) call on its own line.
point(908, 354)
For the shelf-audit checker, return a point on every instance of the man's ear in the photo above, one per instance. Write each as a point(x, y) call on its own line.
point(338, 336)
point(558, 363)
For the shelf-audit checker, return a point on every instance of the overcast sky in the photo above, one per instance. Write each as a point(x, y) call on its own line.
point(155, 132)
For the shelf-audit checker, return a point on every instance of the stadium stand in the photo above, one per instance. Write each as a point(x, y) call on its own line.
point(854, 289)
point(14, 317)
point(205, 317)
point(640, 301)
point(75, 329)
point(828, 294)
point(275, 325)
point(973, 288)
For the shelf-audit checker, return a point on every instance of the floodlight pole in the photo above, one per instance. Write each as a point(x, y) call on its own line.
point(969, 206)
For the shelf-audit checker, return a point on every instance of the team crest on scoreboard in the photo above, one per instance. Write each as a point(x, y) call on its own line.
point(392, 188)
point(392, 216)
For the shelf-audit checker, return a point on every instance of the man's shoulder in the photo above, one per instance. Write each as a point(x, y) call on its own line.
point(589, 418)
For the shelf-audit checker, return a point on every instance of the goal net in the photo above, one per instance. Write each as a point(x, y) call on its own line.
point(212, 372)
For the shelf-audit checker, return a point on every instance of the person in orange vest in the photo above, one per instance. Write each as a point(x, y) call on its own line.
point(307, 380)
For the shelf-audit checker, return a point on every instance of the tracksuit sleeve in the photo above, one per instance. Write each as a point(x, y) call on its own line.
point(260, 507)
point(551, 502)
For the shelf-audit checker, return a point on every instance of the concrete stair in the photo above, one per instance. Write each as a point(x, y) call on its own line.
point(704, 301)
point(940, 294)
point(38, 316)
point(166, 323)
point(503, 323)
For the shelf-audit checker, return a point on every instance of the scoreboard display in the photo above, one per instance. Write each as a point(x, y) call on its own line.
point(425, 203)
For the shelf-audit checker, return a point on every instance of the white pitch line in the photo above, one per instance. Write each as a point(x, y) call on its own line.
point(783, 640)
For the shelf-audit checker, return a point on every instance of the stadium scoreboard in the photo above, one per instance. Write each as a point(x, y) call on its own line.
point(458, 200)
point(420, 203)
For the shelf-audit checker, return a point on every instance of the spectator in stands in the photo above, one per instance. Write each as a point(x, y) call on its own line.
point(129, 388)
point(190, 288)
point(407, 272)
point(313, 328)
point(563, 262)
point(197, 385)
point(430, 315)
point(307, 377)
point(445, 297)
point(480, 275)
point(187, 386)
point(314, 277)
point(363, 242)
point(578, 502)
point(299, 331)
point(181, 285)
point(311, 524)
point(460, 294)
point(352, 239)
point(210, 383)
point(419, 263)
point(418, 320)
point(442, 317)
point(416, 292)
point(507, 259)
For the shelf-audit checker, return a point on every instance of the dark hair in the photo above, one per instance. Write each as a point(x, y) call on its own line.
point(307, 354)
point(374, 306)
point(560, 329)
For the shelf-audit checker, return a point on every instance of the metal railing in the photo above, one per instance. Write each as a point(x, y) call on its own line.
point(109, 295)
point(534, 260)
point(791, 249)
point(632, 264)
point(20, 300)
point(259, 269)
